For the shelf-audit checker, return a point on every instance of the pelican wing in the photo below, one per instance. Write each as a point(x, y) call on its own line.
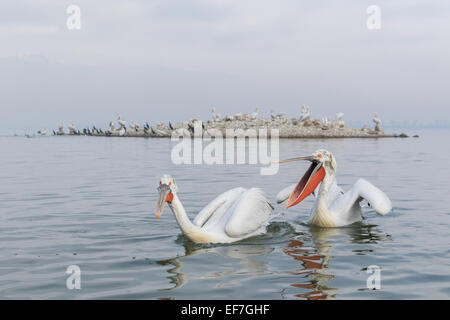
point(363, 189)
point(250, 213)
point(218, 206)
point(283, 195)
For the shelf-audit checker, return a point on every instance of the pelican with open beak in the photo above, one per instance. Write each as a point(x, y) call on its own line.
point(234, 215)
point(333, 207)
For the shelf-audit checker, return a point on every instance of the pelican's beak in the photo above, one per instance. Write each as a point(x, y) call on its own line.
point(165, 195)
point(308, 182)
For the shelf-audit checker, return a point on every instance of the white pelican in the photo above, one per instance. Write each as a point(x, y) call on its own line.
point(122, 123)
point(376, 119)
point(333, 207)
point(71, 127)
point(216, 117)
point(305, 114)
point(254, 115)
point(234, 215)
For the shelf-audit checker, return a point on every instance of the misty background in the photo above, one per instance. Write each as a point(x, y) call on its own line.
point(175, 60)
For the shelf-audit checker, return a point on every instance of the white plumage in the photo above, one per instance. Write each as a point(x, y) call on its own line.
point(333, 207)
point(232, 216)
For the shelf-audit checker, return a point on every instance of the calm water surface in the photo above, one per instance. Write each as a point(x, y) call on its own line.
point(89, 202)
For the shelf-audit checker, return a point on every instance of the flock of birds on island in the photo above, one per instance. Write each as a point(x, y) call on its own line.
point(241, 213)
point(122, 128)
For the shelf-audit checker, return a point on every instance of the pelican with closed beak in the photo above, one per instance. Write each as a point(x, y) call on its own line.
point(234, 215)
point(332, 207)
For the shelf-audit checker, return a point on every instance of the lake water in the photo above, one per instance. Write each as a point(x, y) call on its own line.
point(89, 201)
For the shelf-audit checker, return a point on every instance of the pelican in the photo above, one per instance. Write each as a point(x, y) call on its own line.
point(42, 132)
point(122, 123)
point(376, 119)
point(216, 117)
point(71, 128)
point(254, 115)
point(333, 207)
point(234, 215)
point(305, 113)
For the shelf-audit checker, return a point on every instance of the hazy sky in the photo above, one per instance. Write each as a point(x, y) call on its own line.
point(173, 60)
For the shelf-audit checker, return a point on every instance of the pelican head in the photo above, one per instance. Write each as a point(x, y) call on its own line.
point(322, 164)
point(166, 189)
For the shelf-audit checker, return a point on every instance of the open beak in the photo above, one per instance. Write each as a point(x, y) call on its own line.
point(307, 183)
point(165, 195)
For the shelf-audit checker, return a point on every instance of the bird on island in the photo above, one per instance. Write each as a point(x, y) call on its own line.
point(325, 123)
point(305, 114)
point(376, 119)
point(232, 216)
point(332, 207)
point(216, 117)
point(42, 132)
point(71, 128)
point(122, 123)
point(112, 127)
point(254, 115)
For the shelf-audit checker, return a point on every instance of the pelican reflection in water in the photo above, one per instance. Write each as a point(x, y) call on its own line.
point(244, 253)
point(317, 253)
point(311, 250)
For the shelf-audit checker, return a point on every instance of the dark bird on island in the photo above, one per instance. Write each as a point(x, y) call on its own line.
point(54, 133)
point(153, 131)
point(191, 128)
point(147, 126)
point(170, 126)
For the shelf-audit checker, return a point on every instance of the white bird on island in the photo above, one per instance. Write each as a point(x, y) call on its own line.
point(376, 119)
point(332, 207)
point(339, 123)
point(112, 126)
point(234, 215)
point(122, 123)
point(71, 128)
point(216, 117)
point(254, 115)
point(60, 129)
point(42, 132)
point(305, 114)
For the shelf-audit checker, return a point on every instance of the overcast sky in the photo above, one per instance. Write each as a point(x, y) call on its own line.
point(174, 60)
